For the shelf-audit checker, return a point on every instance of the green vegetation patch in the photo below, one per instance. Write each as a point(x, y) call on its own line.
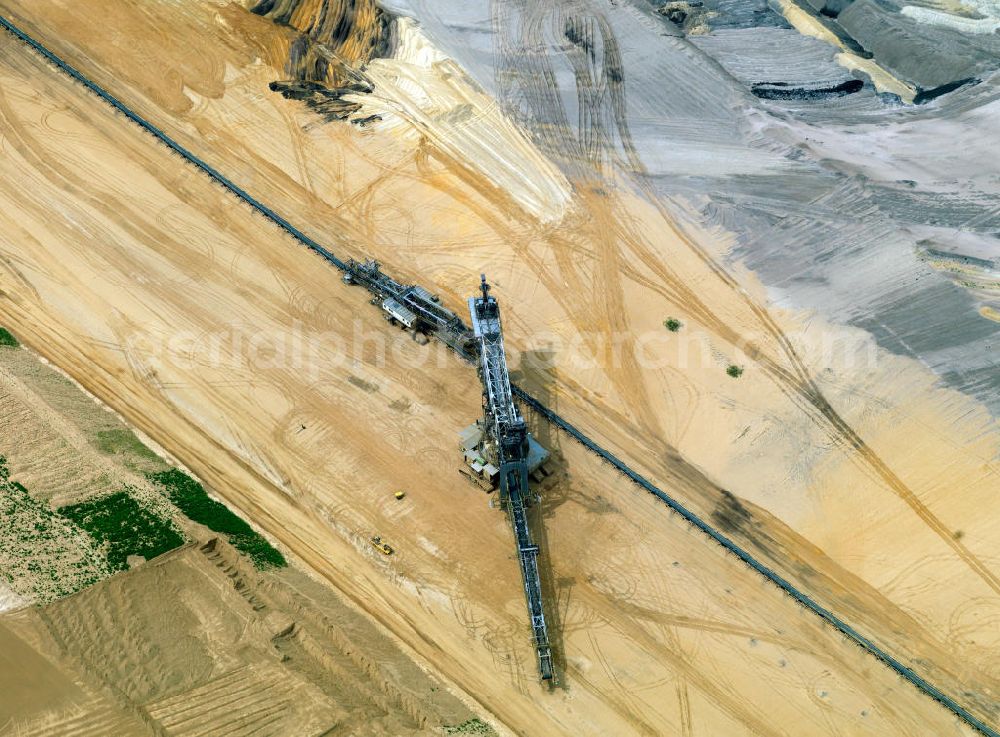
point(124, 527)
point(121, 440)
point(734, 370)
point(43, 556)
point(672, 324)
point(6, 339)
point(472, 726)
point(192, 499)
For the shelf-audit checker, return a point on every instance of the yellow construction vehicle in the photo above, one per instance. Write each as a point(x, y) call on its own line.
point(400, 494)
point(380, 546)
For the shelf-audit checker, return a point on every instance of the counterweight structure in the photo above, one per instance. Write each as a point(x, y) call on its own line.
point(411, 306)
point(503, 421)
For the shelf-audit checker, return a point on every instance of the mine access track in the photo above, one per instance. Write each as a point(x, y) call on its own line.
point(832, 619)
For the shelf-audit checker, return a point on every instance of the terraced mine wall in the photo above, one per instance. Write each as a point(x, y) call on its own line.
point(327, 42)
point(796, 594)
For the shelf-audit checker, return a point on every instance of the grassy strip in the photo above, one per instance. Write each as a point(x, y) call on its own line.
point(472, 726)
point(122, 442)
point(124, 527)
point(6, 339)
point(192, 499)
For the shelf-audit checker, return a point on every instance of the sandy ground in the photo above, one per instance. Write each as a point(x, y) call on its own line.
point(876, 506)
point(196, 642)
point(51, 432)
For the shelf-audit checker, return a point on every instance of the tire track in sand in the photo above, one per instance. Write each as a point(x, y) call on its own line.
point(534, 71)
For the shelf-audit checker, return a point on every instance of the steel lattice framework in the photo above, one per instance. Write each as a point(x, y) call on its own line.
point(510, 433)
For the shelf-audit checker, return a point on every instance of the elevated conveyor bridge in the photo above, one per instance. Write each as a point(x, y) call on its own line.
point(509, 432)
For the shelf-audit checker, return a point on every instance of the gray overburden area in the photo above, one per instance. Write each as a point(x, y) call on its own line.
point(876, 212)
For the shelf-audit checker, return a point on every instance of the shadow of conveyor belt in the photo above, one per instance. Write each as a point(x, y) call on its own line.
point(799, 596)
point(552, 496)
